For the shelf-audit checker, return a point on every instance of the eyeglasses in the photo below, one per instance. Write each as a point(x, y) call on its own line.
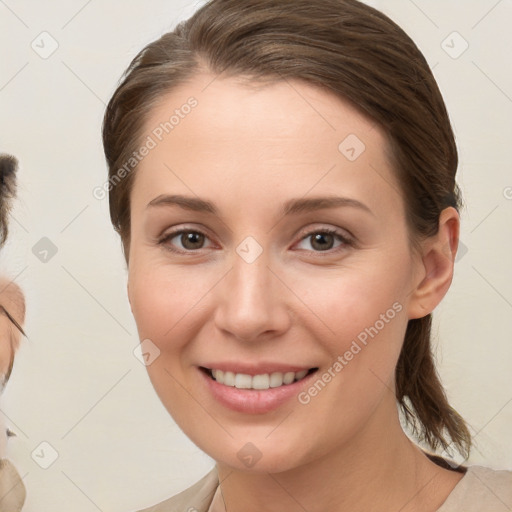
point(18, 326)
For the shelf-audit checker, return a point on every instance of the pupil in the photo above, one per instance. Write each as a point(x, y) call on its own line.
point(321, 236)
point(190, 238)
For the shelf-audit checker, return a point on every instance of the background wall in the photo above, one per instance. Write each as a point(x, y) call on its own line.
point(91, 433)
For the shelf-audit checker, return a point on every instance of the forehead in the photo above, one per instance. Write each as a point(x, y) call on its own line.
point(272, 137)
point(252, 106)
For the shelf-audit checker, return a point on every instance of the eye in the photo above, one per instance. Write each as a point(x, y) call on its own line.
point(322, 240)
point(190, 240)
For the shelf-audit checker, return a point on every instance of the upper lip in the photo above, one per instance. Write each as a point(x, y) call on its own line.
point(256, 368)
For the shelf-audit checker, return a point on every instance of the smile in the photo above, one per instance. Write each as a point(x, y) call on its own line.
point(256, 382)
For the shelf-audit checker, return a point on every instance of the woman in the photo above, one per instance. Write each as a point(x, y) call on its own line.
point(282, 175)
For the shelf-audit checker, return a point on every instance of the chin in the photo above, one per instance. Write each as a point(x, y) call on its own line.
point(256, 453)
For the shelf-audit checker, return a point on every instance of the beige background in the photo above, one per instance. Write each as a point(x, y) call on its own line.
point(77, 386)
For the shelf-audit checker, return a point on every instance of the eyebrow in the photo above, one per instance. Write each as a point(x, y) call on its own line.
point(290, 207)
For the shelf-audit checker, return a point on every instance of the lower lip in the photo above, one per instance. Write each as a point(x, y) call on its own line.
point(253, 401)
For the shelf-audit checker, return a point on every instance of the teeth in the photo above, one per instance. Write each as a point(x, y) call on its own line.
point(288, 377)
point(301, 374)
point(243, 381)
point(276, 380)
point(263, 381)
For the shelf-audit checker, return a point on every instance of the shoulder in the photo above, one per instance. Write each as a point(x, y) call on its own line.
point(196, 498)
point(481, 489)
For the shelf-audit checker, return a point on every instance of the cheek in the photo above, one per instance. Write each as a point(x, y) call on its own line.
point(165, 300)
point(343, 303)
point(164, 305)
point(360, 319)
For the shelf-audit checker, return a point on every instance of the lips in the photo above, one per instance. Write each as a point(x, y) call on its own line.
point(254, 396)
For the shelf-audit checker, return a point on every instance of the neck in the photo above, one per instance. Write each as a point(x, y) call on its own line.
point(379, 469)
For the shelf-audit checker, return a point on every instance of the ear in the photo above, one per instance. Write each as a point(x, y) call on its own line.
point(436, 266)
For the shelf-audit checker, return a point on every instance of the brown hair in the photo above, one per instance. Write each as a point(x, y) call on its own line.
point(360, 55)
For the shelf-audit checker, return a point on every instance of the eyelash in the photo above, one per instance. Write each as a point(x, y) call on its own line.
point(346, 241)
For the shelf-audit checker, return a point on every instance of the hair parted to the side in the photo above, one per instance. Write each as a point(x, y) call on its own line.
point(360, 55)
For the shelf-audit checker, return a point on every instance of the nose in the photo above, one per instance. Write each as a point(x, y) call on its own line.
point(252, 301)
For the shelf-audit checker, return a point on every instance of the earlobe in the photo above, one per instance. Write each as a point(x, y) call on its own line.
point(438, 257)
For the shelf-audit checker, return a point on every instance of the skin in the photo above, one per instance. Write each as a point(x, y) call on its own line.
point(248, 150)
point(12, 299)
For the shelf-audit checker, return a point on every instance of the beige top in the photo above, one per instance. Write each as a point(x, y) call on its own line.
point(481, 489)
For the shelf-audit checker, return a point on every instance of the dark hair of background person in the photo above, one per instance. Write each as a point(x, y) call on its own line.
point(8, 167)
point(363, 57)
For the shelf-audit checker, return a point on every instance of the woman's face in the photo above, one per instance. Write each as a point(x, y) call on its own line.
point(255, 285)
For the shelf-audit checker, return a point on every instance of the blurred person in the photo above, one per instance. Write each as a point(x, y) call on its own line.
point(12, 317)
